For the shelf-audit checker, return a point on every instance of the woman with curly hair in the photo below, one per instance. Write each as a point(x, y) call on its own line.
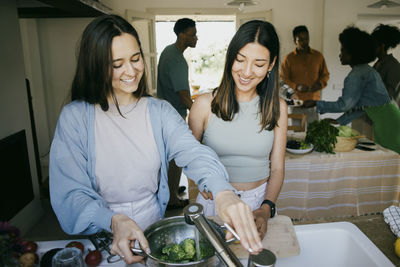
point(363, 91)
point(388, 37)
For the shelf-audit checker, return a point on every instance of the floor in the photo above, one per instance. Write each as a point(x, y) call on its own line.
point(373, 226)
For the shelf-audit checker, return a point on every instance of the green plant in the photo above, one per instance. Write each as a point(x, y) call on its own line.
point(322, 135)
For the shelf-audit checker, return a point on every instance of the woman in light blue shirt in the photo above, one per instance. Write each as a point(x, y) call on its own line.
point(111, 148)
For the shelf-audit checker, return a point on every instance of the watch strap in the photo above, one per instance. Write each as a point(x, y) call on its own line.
point(271, 205)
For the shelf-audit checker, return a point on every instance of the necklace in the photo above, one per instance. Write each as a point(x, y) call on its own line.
point(125, 110)
point(128, 109)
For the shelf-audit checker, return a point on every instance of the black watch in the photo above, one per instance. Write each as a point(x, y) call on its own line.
point(271, 205)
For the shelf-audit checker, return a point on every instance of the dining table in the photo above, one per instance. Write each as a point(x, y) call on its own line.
point(322, 185)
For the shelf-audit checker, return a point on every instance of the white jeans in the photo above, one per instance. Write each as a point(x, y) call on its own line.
point(143, 212)
point(253, 198)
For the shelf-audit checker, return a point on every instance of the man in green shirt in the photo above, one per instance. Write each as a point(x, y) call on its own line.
point(173, 86)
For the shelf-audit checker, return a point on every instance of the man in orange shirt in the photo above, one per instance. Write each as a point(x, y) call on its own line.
point(305, 71)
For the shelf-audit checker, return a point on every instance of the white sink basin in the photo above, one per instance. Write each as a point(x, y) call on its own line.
point(339, 244)
point(334, 244)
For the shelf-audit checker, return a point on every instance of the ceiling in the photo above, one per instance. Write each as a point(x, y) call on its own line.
point(60, 8)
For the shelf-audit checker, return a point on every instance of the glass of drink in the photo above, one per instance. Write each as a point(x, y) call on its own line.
point(68, 257)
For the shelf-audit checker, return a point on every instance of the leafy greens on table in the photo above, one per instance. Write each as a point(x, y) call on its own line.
point(322, 135)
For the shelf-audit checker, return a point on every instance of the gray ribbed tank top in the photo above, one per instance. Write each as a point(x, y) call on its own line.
point(240, 145)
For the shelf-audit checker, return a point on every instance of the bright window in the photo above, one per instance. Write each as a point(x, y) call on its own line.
point(206, 61)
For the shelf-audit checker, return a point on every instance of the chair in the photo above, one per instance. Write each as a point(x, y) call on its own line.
point(297, 128)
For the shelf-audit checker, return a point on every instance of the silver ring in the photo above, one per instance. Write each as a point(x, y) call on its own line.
point(122, 256)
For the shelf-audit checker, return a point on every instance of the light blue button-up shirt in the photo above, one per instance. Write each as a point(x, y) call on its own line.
point(79, 207)
point(363, 87)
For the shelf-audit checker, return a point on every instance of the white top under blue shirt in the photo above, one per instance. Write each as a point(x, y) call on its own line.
point(74, 193)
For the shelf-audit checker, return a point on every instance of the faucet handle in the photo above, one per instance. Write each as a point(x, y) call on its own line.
point(192, 211)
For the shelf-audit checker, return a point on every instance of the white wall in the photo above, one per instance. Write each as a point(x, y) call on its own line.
point(58, 40)
point(33, 72)
point(288, 14)
point(50, 55)
point(14, 112)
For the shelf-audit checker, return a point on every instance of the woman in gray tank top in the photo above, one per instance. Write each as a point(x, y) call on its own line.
point(245, 122)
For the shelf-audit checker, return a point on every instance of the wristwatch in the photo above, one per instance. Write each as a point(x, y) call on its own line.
point(271, 205)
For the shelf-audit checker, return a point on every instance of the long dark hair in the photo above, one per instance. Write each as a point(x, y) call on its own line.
point(93, 78)
point(224, 104)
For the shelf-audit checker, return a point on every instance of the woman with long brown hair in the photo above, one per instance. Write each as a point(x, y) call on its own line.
point(245, 122)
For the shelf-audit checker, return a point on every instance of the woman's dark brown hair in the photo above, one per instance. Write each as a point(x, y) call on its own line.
point(93, 77)
point(224, 104)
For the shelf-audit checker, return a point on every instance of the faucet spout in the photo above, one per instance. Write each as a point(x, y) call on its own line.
point(193, 214)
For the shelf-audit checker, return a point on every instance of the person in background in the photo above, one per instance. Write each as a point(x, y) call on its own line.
point(245, 122)
point(363, 91)
point(173, 86)
point(387, 37)
point(305, 71)
point(112, 144)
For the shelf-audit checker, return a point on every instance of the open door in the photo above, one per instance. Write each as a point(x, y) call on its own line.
point(144, 23)
point(261, 15)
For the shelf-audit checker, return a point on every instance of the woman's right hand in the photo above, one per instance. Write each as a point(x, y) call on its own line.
point(126, 232)
point(238, 214)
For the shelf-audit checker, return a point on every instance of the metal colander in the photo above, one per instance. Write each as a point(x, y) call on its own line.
point(175, 230)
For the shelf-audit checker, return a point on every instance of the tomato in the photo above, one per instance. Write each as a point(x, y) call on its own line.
point(76, 244)
point(93, 258)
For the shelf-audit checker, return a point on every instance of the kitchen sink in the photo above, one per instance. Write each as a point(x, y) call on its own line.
point(326, 244)
point(334, 244)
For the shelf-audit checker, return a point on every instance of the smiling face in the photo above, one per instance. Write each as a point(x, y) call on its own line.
point(128, 67)
point(250, 67)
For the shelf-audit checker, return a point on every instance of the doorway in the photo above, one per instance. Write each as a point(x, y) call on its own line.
point(206, 61)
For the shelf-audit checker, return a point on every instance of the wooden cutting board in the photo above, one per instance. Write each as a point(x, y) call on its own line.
point(281, 239)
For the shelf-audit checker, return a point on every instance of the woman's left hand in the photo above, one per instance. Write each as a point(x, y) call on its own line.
point(238, 214)
point(261, 221)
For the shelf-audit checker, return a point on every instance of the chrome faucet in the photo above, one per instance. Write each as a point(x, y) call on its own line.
point(193, 214)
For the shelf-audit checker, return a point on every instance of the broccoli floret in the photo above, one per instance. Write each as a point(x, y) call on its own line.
point(189, 248)
point(206, 250)
point(174, 251)
point(167, 248)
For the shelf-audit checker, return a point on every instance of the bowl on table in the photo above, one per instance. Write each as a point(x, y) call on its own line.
point(300, 151)
point(298, 147)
